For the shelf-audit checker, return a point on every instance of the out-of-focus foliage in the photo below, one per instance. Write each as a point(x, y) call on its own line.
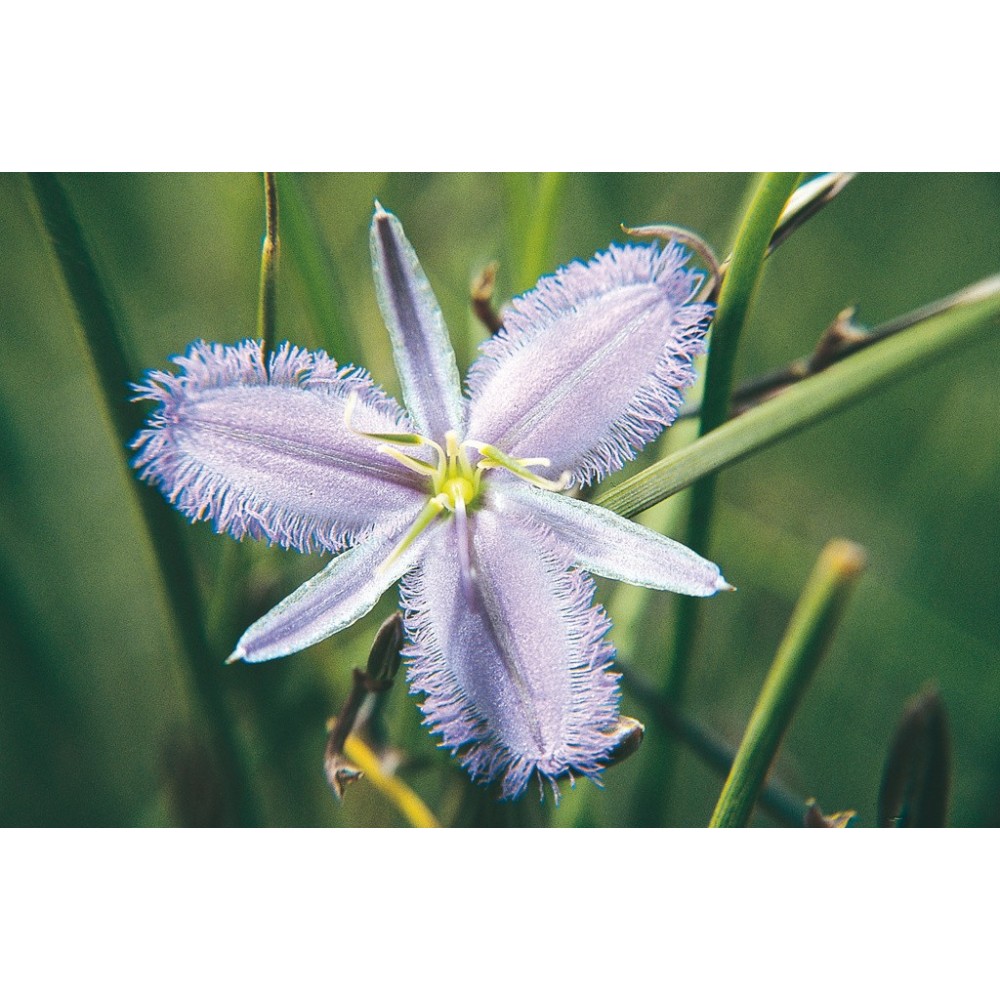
point(97, 725)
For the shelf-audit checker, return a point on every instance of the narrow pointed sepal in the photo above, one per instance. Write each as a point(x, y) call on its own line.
point(516, 679)
point(336, 597)
point(611, 546)
point(590, 364)
point(263, 450)
point(421, 347)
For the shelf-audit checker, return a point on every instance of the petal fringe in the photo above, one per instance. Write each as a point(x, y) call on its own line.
point(590, 364)
point(263, 451)
point(516, 681)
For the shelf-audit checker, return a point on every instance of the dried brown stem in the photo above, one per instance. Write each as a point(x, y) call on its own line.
point(481, 297)
point(842, 338)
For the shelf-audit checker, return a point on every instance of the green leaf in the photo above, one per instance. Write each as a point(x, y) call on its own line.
point(813, 400)
point(110, 365)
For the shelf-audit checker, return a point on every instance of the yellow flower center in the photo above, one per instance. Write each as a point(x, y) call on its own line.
point(454, 483)
point(459, 489)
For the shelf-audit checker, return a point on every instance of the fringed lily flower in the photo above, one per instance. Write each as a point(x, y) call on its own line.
point(459, 497)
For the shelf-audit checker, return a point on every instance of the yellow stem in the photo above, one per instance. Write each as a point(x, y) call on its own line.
point(396, 791)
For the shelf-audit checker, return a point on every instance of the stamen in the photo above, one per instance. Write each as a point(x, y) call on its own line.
point(406, 440)
point(493, 458)
point(456, 453)
point(422, 468)
point(430, 510)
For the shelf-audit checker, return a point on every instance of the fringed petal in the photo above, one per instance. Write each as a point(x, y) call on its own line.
point(335, 598)
point(265, 451)
point(515, 679)
point(421, 348)
point(604, 543)
point(589, 366)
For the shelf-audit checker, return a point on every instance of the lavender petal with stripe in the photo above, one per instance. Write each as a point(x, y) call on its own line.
point(611, 546)
point(421, 348)
point(263, 450)
point(448, 496)
point(516, 679)
point(590, 364)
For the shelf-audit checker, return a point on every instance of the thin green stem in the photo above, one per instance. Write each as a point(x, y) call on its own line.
point(814, 620)
point(841, 338)
point(735, 298)
point(268, 298)
point(812, 400)
point(775, 799)
point(105, 348)
point(235, 560)
point(738, 290)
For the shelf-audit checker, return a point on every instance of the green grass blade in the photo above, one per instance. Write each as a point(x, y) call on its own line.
point(112, 368)
point(735, 298)
point(817, 398)
point(813, 623)
point(775, 799)
point(536, 259)
point(533, 206)
point(308, 256)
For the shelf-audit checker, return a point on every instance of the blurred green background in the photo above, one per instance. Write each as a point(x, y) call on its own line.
point(97, 721)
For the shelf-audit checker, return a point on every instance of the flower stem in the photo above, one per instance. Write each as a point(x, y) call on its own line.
point(267, 302)
point(735, 298)
point(840, 339)
point(235, 560)
point(395, 790)
point(106, 350)
point(814, 620)
point(738, 290)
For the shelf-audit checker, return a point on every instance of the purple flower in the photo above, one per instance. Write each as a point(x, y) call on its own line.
point(458, 497)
